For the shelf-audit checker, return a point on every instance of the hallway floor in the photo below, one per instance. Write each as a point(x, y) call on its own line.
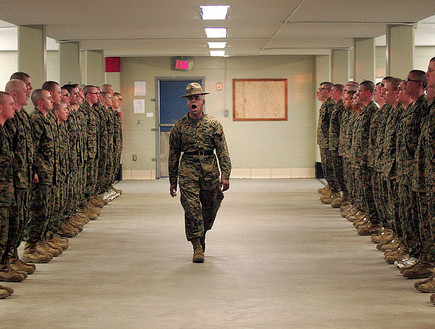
point(276, 258)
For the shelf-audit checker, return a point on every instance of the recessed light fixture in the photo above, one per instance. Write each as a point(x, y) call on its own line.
point(213, 12)
point(216, 32)
point(217, 53)
point(217, 45)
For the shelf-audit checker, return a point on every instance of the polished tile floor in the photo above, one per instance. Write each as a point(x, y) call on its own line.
point(276, 258)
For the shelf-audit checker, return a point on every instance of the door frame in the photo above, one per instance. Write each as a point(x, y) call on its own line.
point(157, 84)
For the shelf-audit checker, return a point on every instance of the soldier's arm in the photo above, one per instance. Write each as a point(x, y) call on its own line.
point(222, 154)
point(174, 158)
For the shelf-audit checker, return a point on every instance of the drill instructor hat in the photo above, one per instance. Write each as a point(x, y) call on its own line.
point(193, 89)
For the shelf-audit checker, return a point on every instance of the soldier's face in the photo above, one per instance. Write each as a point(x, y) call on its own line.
point(74, 96)
point(347, 101)
point(195, 105)
point(401, 94)
point(66, 98)
point(430, 74)
point(20, 97)
point(47, 101)
point(62, 113)
point(7, 107)
point(56, 94)
point(390, 94)
point(29, 88)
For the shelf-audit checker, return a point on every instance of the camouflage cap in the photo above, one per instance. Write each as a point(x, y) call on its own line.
point(193, 89)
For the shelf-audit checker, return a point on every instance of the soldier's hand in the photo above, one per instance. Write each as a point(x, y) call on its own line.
point(173, 190)
point(35, 178)
point(224, 184)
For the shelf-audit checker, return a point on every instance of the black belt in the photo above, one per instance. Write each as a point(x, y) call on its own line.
point(199, 152)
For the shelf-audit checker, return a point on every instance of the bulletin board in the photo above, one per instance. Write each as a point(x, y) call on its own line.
point(260, 99)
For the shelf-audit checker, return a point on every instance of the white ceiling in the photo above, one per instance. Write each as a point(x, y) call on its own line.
point(255, 27)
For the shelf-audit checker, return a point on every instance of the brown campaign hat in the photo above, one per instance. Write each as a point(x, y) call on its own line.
point(193, 89)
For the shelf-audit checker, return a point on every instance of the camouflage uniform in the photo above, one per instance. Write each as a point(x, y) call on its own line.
point(55, 216)
point(22, 146)
point(424, 183)
point(323, 142)
point(198, 174)
point(335, 123)
point(345, 145)
point(92, 140)
point(103, 147)
point(73, 177)
point(82, 155)
point(117, 141)
point(6, 190)
point(379, 185)
point(108, 174)
point(389, 167)
point(359, 157)
point(407, 140)
point(44, 166)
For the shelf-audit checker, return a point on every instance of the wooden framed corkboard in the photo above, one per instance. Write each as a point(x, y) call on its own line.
point(260, 99)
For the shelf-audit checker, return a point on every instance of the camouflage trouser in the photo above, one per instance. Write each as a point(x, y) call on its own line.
point(201, 201)
point(424, 224)
point(40, 210)
point(4, 231)
point(393, 207)
point(91, 177)
point(101, 174)
point(430, 195)
point(82, 178)
point(408, 210)
point(365, 192)
point(55, 216)
point(328, 169)
point(18, 217)
point(380, 198)
point(73, 195)
point(337, 164)
point(349, 178)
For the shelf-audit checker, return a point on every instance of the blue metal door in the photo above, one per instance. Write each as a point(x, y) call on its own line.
point(171, 109)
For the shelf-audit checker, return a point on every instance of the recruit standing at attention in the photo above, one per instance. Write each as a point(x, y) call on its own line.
point(197, 135)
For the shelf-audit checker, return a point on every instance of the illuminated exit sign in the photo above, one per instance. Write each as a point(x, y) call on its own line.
point(181, 63)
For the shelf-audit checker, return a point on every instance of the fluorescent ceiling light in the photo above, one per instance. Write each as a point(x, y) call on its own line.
point(217, 52)
point(216, 32)
point(213, 12)
point(217, 44)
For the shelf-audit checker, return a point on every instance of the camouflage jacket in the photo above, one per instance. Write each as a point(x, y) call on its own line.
point(344, 126)
point(7, 197)
point(346, 135)
point(44, 142)
point(110, 130)
point(323, 124)
point(82, 150)
point(360, 137)
point(407, 139)
point(335, 122)
point(102, 131)
point(377, 134)
point(189, 136)
point(117, 136)
point(92, 130)
point(388, 162)
point(73, 139)
point(64, 153)
point(21, 143)
point(424, 173)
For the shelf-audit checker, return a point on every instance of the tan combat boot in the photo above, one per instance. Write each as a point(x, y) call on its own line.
point(32, 255)
point(198, 253)
point(5, 291)
point(18, 265)
point(8, 274)
point(116, 190)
